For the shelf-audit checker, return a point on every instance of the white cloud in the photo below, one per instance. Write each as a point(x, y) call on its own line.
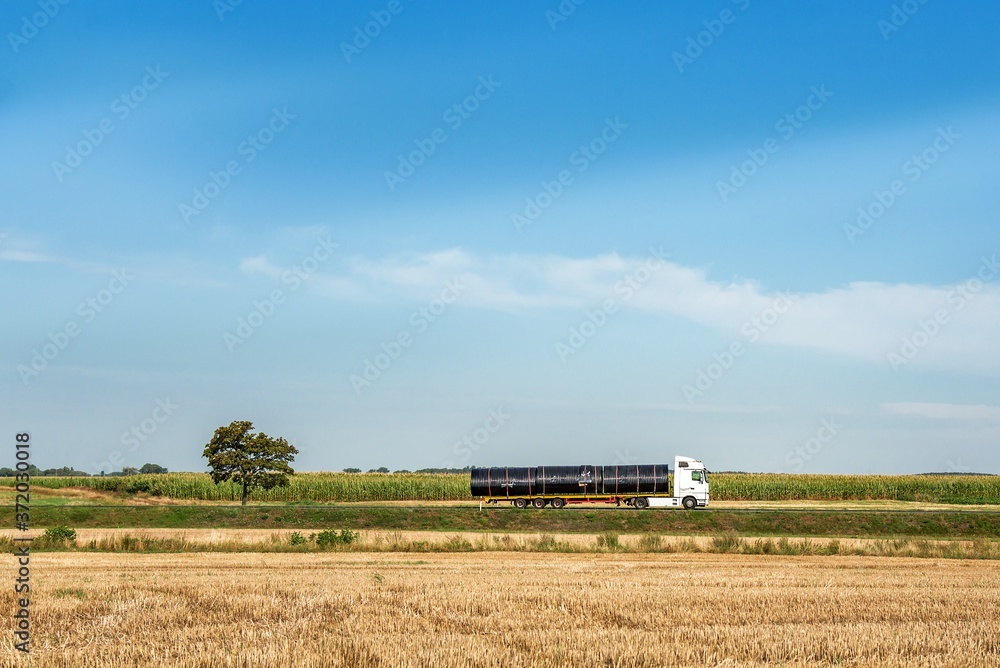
point(24, 256)
point(944, 411)
point(865, 320)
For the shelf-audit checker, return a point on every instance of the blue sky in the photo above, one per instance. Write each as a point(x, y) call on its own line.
point(760, 236)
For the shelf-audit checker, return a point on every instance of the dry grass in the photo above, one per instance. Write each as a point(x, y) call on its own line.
point(505, 609)
point(265, 540)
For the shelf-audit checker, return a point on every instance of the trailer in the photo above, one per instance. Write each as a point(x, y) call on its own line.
point(637, 485)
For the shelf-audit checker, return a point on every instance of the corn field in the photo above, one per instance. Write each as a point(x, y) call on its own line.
point(327, 487)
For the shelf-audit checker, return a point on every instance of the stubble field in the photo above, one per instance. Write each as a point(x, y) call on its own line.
point(509, 609)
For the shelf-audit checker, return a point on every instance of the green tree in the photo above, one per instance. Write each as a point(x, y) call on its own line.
point(152, 468)
point(250, 460)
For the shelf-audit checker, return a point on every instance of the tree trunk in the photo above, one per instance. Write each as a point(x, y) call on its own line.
point(243, 500)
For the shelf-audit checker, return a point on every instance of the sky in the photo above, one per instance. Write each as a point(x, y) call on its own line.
point(413, 235)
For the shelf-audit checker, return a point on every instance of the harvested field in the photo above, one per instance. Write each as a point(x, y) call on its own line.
point(503, 609)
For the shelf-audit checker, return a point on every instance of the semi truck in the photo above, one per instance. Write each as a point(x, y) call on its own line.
point(637, 485)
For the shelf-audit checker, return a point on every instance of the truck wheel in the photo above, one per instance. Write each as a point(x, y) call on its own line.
point(538, 503)
point(689, 503)
point(557, 503)
point(641, 503)
point(520, 503)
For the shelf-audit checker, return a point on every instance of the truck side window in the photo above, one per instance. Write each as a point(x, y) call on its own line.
point(696, 476)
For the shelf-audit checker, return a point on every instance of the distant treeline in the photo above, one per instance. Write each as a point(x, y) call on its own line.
point(33, 470)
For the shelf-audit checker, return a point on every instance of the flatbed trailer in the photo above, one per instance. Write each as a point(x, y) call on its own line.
point(639, 486)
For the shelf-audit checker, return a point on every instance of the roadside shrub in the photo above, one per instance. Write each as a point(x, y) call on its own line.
point(297, 539)
point(457, 544)
point(609, 541)
point(60, 534)
point(727, 543)
point(546, 543)
point(332, 538)
point(651, 542)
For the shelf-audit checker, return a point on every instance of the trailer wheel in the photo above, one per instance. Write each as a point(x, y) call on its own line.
point(538, 503)
point(557, 503)
point(689, 503)
point(641, 502)
point(520, 503)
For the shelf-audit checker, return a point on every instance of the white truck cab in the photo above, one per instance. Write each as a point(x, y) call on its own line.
point(690, 486)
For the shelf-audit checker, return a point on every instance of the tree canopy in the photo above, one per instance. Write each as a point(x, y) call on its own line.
point(251, 460)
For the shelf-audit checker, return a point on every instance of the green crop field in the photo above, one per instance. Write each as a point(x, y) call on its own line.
point(327, 487)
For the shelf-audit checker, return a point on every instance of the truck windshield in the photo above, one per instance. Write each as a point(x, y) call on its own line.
point(705, 476)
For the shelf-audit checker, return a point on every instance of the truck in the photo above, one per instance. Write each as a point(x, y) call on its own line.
point(637, 485)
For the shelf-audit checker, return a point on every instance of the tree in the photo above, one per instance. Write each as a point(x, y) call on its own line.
point(249, 460)
point(347, 470)
point(152, 468)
